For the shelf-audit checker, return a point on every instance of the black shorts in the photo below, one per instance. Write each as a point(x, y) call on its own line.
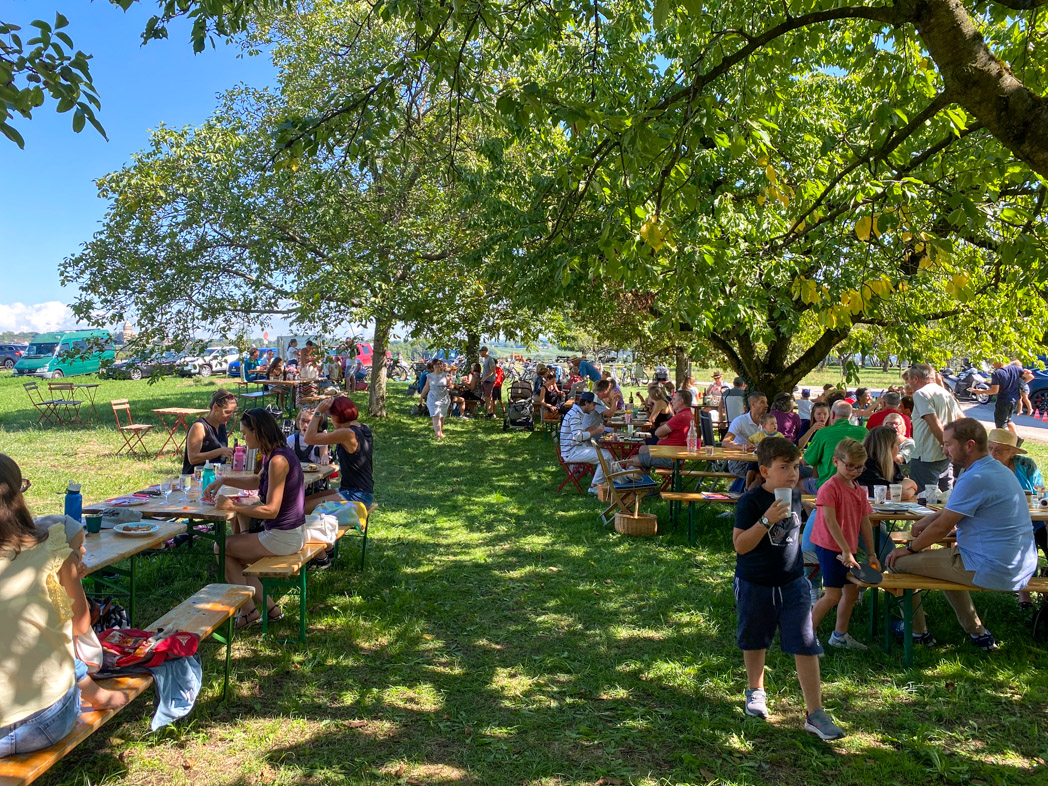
point(1002, 412)
point(762, 610)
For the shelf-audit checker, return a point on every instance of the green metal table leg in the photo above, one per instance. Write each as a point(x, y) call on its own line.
point(131, 589)
point(907, 627)
point(226, 639)
point(302, 606)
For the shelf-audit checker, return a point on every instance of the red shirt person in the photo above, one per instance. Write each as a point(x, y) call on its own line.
point(673, 432)
point(892, 401)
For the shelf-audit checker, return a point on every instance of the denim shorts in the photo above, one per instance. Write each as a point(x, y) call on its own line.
point(352, 495)
point(44, 728)
point(834, 574)
point(762, 610)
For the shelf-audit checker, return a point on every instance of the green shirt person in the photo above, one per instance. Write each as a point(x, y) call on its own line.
point(819, 455)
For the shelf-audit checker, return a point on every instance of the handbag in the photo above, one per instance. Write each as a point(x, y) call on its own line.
point(321, 528)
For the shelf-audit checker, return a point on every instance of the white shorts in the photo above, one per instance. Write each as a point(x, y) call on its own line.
point(282, 542)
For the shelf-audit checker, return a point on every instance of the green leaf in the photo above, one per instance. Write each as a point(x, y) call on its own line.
point(78, 120)
point(659, 13)
point(11, 134)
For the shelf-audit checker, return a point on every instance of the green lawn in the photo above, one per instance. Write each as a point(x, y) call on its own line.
point(501, 636)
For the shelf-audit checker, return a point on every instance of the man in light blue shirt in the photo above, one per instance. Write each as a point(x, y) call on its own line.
point(995, 548)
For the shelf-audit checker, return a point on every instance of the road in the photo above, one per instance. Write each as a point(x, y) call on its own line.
point(1025, 426)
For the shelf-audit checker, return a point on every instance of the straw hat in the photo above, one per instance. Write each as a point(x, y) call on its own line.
point(1003, 436)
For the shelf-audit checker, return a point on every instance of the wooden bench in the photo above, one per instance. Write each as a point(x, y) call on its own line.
point(903, 585)
point(285, 572)
point(202, 614)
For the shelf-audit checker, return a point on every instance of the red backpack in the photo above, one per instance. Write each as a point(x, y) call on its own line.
point(125, 647)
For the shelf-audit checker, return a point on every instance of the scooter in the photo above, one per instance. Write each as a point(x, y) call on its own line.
point(968, 384)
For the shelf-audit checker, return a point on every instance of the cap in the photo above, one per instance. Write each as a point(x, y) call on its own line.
point(662, 374)
point(805, 393)
point(587, 396)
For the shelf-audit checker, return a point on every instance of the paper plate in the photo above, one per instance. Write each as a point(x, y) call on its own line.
point(125, 502)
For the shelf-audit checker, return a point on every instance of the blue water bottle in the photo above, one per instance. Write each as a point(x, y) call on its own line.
point(74, 503)
point(207, 476)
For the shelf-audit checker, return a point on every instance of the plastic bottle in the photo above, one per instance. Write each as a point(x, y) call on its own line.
point(74, 502)
point(238, 456)
point(208, 476)
point(693, 438)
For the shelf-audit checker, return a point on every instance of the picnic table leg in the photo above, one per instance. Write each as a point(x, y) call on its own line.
point(227, 639)
point(263, 609)
point(302, 606)
point(691, 523)
point(131, 588)
point(907, 627)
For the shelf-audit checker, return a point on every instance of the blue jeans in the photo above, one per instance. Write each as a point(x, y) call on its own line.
point(352, 495)
point(44, 728)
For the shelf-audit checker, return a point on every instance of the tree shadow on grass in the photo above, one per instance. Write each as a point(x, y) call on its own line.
point(500, 635)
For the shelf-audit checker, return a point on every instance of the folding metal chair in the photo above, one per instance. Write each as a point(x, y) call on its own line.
point(44, 407)
point(625, 489)
point(133, 434)
point(67, 408)
point(575, 472)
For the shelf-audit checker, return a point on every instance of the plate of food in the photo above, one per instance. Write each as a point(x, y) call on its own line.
point(138, 529)
point(126, 502)
point(310, 468)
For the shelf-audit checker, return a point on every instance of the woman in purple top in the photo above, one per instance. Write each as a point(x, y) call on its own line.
point(281, 509)
point(789, 422)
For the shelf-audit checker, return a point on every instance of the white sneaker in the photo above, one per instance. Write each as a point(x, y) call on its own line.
point(594, 490)
point(845, 642)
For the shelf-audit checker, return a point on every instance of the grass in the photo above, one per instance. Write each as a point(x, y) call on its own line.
point(499, 635)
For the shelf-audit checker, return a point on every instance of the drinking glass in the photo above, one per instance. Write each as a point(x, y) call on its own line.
point(187, 486)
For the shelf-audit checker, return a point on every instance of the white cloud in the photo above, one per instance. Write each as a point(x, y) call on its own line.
point(37, 317)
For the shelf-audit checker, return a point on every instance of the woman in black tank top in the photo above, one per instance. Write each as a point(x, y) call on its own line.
point(207, 440)
point(353, 443)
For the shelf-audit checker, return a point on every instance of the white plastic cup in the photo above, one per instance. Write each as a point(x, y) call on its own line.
point(880, 494)
point(931, 494)
point(895, 489)
point(784, 495)
point(629, 430)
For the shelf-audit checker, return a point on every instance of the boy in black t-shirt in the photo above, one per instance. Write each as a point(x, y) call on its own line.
point(771, 591)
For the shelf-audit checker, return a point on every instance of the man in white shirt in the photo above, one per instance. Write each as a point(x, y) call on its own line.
point(582, 424)
point(933, 408)
point(739, 432)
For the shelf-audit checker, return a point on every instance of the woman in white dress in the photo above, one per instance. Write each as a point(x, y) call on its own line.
point(437, 397)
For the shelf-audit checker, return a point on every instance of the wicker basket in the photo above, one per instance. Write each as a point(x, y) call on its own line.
point(602, 493)
point(641, 525)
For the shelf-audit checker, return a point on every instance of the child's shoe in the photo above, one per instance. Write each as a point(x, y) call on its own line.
point(756, 703)
point(845, 642)
point(821, 725)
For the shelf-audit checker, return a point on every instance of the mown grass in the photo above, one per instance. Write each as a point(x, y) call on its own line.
point(499, 635)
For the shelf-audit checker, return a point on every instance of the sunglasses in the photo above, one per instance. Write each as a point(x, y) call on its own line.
point(26, 483)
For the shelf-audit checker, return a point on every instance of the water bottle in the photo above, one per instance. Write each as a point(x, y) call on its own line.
point(208, 476)
point(693, 438)
point(238, 457)
point(74, 502)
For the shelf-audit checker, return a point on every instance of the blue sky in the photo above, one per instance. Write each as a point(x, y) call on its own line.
point(48, 203)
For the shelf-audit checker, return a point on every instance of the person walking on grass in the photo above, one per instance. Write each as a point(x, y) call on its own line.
point(843, 512)
point(436, 396)
point(771, 592)
point(487, 380)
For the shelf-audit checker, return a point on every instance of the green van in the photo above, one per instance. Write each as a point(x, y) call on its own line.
point(65, 353)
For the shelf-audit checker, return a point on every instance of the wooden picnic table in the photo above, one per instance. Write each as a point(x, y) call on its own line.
point(621, 447)
point(179, 414)
point(103, 550)
point(200, 517)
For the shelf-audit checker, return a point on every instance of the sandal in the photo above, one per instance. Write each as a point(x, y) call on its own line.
point(243, 620)
point(275, 613)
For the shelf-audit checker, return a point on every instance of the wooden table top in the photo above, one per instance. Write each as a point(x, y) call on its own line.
point(176, 507)
point(180, 411)
point(683, 454)
point(108, 547)
point(309, 476)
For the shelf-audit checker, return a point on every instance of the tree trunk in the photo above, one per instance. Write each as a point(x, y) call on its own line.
point(377, 388)
point(886, 364)
point(681, 371)
point(472, 346)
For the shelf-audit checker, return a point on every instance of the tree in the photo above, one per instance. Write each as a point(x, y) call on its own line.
point(766, 176)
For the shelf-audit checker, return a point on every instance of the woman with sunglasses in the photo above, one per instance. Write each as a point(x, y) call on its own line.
point(280, 509)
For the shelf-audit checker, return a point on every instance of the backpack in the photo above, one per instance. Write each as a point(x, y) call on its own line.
point(127, 647)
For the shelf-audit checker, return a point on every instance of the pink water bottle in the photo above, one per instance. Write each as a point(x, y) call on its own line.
point(238, 457)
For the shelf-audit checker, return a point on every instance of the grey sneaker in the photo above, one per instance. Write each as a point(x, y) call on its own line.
point(821, 725)
point(756, 703)
point(845, 642)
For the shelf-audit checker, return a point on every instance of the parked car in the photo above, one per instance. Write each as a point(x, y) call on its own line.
point(66, 353)
point(10, 353)
point(143, 366)
point(1039, 390)
point(211, 360)
point(365, 351)
point(234, 367)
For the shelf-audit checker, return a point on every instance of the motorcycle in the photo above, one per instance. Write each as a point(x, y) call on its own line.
point(968, 384)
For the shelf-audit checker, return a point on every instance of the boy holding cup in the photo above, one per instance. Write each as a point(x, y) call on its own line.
point(771, 591)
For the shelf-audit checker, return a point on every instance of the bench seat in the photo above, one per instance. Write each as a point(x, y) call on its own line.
point(201, 614)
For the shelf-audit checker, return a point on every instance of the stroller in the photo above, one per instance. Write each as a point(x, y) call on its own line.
point(520, 413)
